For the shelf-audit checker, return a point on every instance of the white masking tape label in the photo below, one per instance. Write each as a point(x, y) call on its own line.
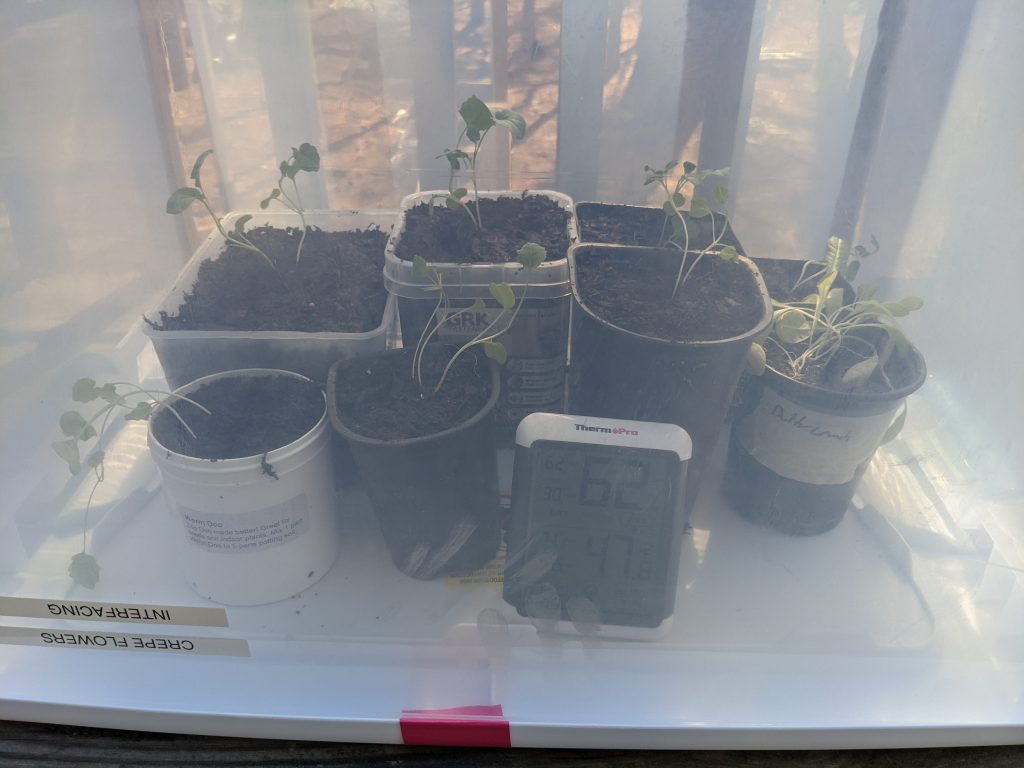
point(119, 641)
point(249, 531)
point(89, 610)
point(806, 445)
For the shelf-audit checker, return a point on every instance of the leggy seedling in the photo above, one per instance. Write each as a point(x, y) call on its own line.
point(78, 431)
point(305, 158)
point(181, 199)
point(529, 256)
point(478, 119)
point(676, 227)
point(813, 330)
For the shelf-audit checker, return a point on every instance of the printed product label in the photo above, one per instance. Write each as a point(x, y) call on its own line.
point(38, 608)
point(118, 641)
point(249, 531)
point(806, 445)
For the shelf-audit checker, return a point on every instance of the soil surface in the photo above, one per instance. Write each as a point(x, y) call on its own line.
point(248, 417)
point(633, 290)
point(634, 225)
point(378, 398)
point(440, 234)
point(336, 286)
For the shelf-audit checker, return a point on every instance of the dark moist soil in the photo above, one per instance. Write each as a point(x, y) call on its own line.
point(440, 234)
point(377, 397)
point(720, 299)
point(249, 416)
point(336, 285)
point(634, 225)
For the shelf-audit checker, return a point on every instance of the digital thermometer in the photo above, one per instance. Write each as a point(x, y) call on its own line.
point(597, 524)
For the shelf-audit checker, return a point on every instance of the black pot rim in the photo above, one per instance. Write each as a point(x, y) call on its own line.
point(823, 395)
point(348, 434)
point(762, 324)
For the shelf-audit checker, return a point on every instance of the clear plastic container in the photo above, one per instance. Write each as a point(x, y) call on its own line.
point(533, 378)
point(187, 355)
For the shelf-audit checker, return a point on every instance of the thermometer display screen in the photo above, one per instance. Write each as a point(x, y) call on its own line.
point(598, 539)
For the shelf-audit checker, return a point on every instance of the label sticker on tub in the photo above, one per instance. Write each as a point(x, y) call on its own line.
point(91, 610)
point(120, 641)
point(249, 531)
point(807, 445)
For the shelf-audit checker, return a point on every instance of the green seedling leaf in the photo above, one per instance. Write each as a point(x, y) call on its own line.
point(477, 116)
point(272, 196)
point(460, 193)
point(141, 411)
point(678, 200)
point(306, 158)
point(288, 169)
point(478, 305)
point(73, 424)
point(897, 425)
point(68, 450)
point(860, 372)
point(699, 209)
point(197, 166)
point(531, 255)
point(419, 266)
point(791, 327)
point(453, 202)
point(108, 392)
point(668, 208)
point(757, 360)
point(84, 570)
point(84, 391)
point(503, 295)
point(456, 157)
point(496, 351)
point(833, 301)
point(181, 199)
point(688, 167)
point(721, 195)
point(512, 120)
point(239, 229)
point(95, 458)
point(728, 253)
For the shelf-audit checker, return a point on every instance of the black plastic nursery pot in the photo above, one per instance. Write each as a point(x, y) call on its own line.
point(436, 495)
point(619, 372)
point(797, 451)
point(533, 377)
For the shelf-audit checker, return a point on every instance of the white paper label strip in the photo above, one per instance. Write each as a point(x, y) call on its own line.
point(118, 641)
point(38, 608)
point(807, 445)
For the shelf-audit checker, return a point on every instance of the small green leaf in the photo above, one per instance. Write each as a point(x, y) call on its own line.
point(95, 458)
point(140, 412)
point(689, 167)
point(512, 120)
point(531, 255)
point(239, 229)
point(496, 351)
point(68, 450)
point(288, 169)
point(453, 203)
point(84, 570)
point(833, 301)
point(757, 360)
point(460, 193)
point(197, 167)
point(668, 208)
point(699, 209)
point(728, 253)
point(181, 199)
point(897, 425)
point(108, 392)
point(419, 266)
point(306, 157)
point(503, 295)
point(678, 200)
point(791, 327)
point(73, 424)
point(267, 200)
point(721, 195)
point(478, 305)
point(84, 391)
point(860, 372)
point(456, 157)
point(477, 116)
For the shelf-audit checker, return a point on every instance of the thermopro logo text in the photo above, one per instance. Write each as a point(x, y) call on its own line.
point(606, 430)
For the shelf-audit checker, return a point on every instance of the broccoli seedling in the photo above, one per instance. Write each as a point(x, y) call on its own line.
point(478, 120)
point(78, 431)
point(529, 256)
point(181, 199)
point(305, 158)
point(675, 230)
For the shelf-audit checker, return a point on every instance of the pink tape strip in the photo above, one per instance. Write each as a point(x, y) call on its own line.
point(473, 726)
